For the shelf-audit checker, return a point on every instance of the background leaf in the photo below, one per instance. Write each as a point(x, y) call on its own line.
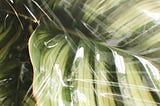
point(15, 65)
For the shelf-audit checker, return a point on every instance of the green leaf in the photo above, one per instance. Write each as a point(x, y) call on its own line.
point(97, 56)
point(71, 69)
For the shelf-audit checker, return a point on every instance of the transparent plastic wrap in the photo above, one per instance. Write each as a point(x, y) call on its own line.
point(97, 53)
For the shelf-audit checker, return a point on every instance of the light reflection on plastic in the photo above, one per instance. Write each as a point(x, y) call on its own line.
point(50, 46)
point(152, 68)
point(41, 68)
point(80, 53)
point(119, 62)
point(81, 96)
point(6, 17)
point(155, 16)
point(58, 70)
point(66, 37)
point(98, 57)
point(60, 101)
point(11, 1)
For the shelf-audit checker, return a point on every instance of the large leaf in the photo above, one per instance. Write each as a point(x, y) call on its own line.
point(91, 74)
point(85, 59)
